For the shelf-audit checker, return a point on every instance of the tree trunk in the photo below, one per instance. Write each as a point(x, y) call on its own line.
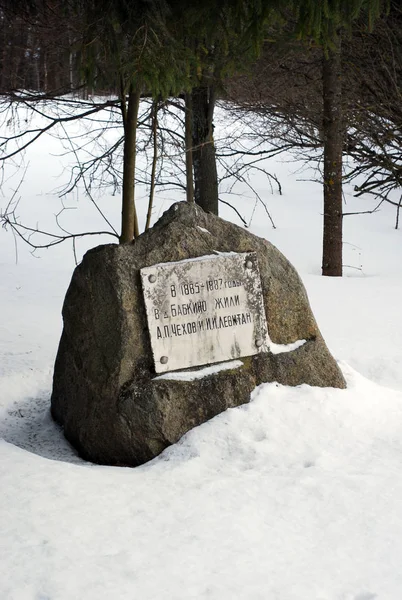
point(43, 86)
point(4, 40)
point(333, 144)
point(204, 158)
point(189, 147)
point(129, 221)
point(154, 119)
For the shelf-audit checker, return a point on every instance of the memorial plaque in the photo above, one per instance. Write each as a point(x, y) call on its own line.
point(204, 310)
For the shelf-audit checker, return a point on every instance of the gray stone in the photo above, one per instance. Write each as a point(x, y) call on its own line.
point(113, 408)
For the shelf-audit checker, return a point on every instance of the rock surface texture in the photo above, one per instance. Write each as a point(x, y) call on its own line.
point(105, 393)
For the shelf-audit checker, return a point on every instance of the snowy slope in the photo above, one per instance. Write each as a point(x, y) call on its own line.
point(296, 496)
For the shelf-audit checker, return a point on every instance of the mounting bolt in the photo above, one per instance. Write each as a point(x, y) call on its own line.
point(152, 278)
point(249, 264)
point(259, 343)
point(164, 360)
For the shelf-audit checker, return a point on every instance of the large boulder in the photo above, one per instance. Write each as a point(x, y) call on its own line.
point(106, 395)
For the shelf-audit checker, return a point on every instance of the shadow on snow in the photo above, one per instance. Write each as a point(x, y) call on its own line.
point(28, 424)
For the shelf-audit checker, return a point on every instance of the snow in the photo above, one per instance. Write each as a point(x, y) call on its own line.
point(196, 258)
point(280, 348)
point(295, 496)
point(201, 373)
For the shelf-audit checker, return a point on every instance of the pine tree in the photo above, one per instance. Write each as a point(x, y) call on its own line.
point(222, 37)
point(325, 22)
point(128, 45)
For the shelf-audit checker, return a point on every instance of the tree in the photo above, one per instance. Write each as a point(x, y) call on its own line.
point(312, 94)
point(375, 142)
point(325, 23)
point(224, 37)
point(143, 57)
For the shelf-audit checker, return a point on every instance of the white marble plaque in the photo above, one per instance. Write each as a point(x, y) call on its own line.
point(204, 310)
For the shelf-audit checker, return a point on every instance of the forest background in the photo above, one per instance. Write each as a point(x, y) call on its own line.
point(320, 79)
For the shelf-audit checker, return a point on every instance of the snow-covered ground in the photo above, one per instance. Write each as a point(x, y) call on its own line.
point(295, 496)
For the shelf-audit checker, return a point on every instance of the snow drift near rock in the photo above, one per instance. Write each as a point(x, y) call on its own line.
point(270, 500)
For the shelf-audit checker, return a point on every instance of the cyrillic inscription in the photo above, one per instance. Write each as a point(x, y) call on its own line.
point(205, 310)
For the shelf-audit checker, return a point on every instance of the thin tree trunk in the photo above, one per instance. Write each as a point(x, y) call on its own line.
point(204, 156)
point(333, 144)
point(129, 220)
point(4, 38)
point(398, 208)
point(154, 162)
point(70, 70)
point(189, 147)
point(43, 70)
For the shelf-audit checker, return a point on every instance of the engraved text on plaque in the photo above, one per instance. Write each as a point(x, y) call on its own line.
point(204, 310)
